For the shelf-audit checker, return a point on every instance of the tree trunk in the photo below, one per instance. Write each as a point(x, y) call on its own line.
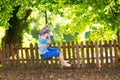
point(14, 32)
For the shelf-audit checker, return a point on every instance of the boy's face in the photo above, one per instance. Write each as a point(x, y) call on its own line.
point(46, 34)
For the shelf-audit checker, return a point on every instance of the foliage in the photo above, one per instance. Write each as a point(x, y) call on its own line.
point(70, 20)
point(102, 34)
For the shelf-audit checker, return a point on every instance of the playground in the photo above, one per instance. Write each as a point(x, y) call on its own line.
point(60, 40)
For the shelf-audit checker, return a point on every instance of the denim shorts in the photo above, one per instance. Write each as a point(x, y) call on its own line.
point(52, 52)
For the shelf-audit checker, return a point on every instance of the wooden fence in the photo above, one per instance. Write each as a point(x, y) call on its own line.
point(80, 55)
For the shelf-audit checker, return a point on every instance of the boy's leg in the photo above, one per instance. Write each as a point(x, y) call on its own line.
point(56, 52)
point(63, 62)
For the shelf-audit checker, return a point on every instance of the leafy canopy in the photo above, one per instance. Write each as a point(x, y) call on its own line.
point(69, 20)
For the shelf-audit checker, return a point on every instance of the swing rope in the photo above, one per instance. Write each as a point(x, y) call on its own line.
point(46, 19)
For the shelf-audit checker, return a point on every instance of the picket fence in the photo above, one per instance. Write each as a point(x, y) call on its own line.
point(80, 55)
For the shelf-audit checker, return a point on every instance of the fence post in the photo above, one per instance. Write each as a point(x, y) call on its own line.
point(37, 53)
point(8, 54)
point(92, 52)
point(13, 54)
point(87, 52)
point(106, 52)
point(73, 53)
point(69, 52)
point(32, 54)
point(101, 54)
point(22, 56)
point(4, 56)
point(77, 55)
point(111, 55)
point(82, 55)
point(64, 49)
point(17, 55)
point(2, 59)
point(116, 54)
point(97, 55)
point(27, 58)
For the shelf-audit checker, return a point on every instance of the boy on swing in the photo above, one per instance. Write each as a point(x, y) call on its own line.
point(45, 51)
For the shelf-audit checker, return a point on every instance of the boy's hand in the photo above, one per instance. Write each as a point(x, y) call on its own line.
point(50, 34)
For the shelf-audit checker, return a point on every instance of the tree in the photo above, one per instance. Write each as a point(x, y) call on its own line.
point(15, 31)
point(76, 16)
point(108, 14)
point(13, 16)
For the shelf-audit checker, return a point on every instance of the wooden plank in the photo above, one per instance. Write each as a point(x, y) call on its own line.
point(69, 52)
point(4, 56)
point(77, 55)
point(64, 50)
point(13, 54)
point(106, 53)
point(17, 55)
point(31, 55)
point(97, 54)
point(92, 52)
point(87, 52)
point(116, 54)
point(22, 56)
point(82, 55)
point(37, 54)
point(110, 50)
point(8, 55)
point(101, 54)
point(27, 58)
point(2, 60)
point(73, 53)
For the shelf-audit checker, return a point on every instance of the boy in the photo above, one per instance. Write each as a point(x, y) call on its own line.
point(47, 52)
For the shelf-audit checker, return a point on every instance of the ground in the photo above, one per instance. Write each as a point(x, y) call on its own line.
point(61, 74)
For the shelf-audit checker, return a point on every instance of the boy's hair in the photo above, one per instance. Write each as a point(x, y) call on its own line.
point(44, 31)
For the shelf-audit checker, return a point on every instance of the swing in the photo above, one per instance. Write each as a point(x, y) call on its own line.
point(47, 58)
point(46, 24)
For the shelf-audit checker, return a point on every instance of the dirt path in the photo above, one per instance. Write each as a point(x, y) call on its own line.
point(62, 74)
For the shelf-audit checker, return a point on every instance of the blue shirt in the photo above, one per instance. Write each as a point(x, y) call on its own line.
point(43, 42)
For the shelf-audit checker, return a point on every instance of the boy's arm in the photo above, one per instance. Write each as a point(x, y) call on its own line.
point(44, 46)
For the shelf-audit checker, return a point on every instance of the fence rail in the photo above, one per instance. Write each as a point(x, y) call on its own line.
point(80, 55)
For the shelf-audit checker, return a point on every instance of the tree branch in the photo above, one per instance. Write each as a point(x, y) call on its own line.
point(28, 12)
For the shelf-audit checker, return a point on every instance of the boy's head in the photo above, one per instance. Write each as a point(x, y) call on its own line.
point(44, 31)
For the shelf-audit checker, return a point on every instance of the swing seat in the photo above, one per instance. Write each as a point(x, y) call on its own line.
point(48, 58)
